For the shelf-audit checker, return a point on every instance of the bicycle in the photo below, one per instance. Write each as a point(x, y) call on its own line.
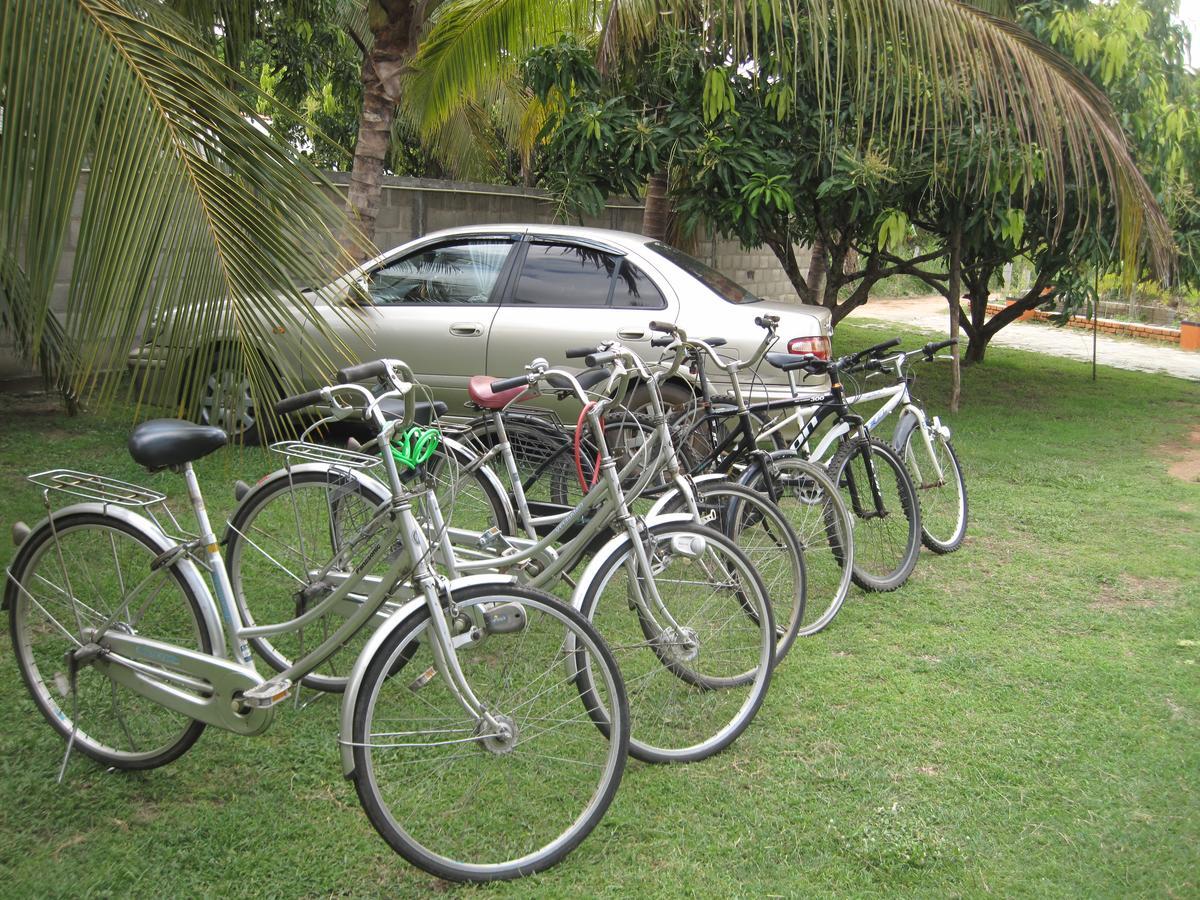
point(696, 674)
point(129, 655)
point(931, 458)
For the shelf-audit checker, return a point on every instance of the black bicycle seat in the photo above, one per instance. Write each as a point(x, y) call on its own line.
point(160, 443)
point(425, 412)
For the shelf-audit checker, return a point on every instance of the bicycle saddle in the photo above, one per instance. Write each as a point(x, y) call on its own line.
point(787, 362)
point(160, 443)
point(587, 379)
point(425, 412)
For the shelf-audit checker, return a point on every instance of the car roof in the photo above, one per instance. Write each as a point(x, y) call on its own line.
point(622, 239)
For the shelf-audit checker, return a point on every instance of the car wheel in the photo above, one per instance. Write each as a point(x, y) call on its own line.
point(226, 402)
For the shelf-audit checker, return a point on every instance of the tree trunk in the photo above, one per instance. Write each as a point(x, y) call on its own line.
point(976, 347)
point(654, 217)
point(953, 295)
point(392, 27)
point(818, 265)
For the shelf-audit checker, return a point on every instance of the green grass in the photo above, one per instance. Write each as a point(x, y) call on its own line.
point(1022, 718)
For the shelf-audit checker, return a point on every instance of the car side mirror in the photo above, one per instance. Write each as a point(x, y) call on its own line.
point(359, 292)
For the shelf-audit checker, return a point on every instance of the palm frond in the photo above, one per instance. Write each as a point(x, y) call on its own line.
point(470, 43)
point(195, 215)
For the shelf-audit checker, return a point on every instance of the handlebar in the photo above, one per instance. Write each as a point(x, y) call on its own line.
point(599, 359)
point(932, 348)
point(298, 401)
point(501, 385)
point(581, 352)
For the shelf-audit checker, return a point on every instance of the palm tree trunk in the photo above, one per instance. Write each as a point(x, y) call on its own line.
point(654, 217)
point(394, 41)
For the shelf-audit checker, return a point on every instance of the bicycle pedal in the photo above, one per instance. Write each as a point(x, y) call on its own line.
point(268, 693)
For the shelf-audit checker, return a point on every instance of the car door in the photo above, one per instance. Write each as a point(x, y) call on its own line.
point(432, 307)
point(570, 294)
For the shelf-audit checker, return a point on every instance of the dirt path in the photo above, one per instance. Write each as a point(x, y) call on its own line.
point(930, 314)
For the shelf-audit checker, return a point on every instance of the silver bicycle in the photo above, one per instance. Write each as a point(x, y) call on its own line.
point(484, 724)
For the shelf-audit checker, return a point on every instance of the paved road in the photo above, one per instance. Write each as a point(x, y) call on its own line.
point(931, 314)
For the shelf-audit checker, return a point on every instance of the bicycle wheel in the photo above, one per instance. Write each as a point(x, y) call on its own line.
point(887, 534)
point(695, 687)
point(812, 506)
point(474, 808)
point(58, 595)
point(942, 497)
point(278, 540)
point(762, 532)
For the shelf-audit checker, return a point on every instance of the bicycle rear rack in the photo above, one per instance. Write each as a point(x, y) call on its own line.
point(112, 492)
point(323, 453)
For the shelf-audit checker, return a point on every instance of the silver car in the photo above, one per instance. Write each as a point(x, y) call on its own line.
point(487, 300)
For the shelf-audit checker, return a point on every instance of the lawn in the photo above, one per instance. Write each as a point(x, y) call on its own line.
point(1022, 718)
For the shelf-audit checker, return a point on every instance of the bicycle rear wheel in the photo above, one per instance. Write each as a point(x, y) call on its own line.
point(470, 807)
point(943, 498)
point(58, 594)
point(278, 540)
point(761, 531)
point(887, 534)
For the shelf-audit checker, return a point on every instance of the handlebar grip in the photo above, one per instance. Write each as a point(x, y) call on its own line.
point(374, 369)
point(299, 401)
point(507, 384)
point(878, 348)
point(932, 348)
point(664, 341)
point(599, 359)
point(579, 352)
point(667, 327)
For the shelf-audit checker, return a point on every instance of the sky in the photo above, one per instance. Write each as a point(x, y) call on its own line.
point(1189, 12)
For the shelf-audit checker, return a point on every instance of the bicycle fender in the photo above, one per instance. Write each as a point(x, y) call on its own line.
point(614, 546)
point(186, 568)
point(397, 619)
point(656, 509)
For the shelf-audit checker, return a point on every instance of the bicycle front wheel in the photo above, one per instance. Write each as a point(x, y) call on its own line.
point(877, 489)
point(451, 795)
point(938, 478)
point(697, 674)
point(62, 594)
point(812, 506)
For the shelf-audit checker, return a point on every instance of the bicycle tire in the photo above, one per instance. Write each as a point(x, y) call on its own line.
point(114, 715)
point(941, 532)
point(407, 808)
point(730, 657)
point(813, 507)
point(883, 557)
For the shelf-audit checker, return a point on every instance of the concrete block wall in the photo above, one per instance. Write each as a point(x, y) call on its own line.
point(411, 207)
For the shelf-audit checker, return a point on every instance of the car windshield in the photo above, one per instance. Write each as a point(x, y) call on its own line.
point(724, 287)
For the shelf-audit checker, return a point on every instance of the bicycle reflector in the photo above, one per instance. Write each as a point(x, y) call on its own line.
point(415, 445)
point(814, 346)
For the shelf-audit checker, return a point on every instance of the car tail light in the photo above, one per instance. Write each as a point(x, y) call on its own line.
point(814, 346)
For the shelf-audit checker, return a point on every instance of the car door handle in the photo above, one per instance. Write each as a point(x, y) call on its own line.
point(466, 329)
point(631, 334)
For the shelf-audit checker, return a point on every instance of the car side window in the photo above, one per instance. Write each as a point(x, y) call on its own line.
point(565, 275)
point(447, 274)
point(635, 290)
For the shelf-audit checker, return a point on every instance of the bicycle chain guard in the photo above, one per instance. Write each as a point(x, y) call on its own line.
point(415, 445)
